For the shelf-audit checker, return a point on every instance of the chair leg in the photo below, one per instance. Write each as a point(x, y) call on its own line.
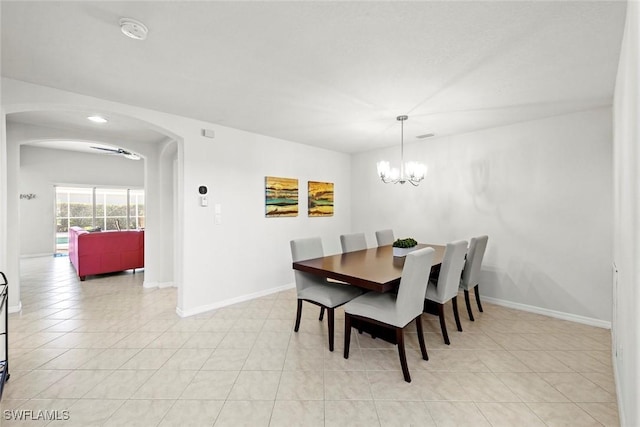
point(347, 334)
point(466, 300)
point(321, 313)
point(423, 346)
point(454, 303)
point(298, 315)
point(402, 355)
point(330, 324)
point(477, 292)
point(443, 324)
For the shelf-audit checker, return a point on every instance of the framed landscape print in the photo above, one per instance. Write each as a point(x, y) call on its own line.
point(320, 198)
point(281, 196)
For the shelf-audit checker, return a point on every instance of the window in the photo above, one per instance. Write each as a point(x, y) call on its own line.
point(136, 209)
point(106, 208)
point(111, 208)
point(74, 208)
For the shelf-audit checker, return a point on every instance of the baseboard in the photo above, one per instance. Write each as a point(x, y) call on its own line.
point(159, 285)
point(162, 285)
point(509, 304)
point(47, 254)
point(551, 313)
point(15, 308)
point(231, 301)
point(616, 378)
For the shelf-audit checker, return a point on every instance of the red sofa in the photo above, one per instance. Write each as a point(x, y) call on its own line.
point(105, 251)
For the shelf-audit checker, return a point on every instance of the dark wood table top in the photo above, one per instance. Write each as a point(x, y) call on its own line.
point(375, 269)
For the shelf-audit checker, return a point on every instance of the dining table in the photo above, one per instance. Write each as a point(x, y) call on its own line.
point(373, 269)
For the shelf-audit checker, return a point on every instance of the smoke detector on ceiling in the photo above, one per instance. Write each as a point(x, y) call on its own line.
point(133, 28)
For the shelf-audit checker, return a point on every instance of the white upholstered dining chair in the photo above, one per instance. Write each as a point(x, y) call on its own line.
point(471, 272)
point(317, 290)
point(446, 287)
point(384, 237)
point(391, 311)
point(353, 242)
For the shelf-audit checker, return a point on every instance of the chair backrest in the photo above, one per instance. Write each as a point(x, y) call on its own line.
point(353, 242)
point(451, 270)
point(385, 237)
point(413, 284)
point(303, 249)
point(471, 272)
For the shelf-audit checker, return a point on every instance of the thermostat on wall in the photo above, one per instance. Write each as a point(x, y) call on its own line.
point(203, 198)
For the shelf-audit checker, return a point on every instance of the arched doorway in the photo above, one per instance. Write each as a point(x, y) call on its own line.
point(39, 127)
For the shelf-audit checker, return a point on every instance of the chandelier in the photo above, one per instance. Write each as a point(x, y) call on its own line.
point(412, 172)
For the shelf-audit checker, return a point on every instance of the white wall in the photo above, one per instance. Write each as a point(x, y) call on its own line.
point(541, 190)
point(159, 253)
point(11, 266)
point(247, 254)
point(41, 169)
point(163, 213)
point(626, 339)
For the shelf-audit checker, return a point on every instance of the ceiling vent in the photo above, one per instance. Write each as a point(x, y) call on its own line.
point(426, 135)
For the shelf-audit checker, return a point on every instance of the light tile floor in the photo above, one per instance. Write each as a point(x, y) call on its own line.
point(112, 353)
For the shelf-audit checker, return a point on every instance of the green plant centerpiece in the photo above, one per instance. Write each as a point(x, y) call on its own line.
point(402, 247)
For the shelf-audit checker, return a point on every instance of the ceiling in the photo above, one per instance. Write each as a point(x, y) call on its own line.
point(328, 74)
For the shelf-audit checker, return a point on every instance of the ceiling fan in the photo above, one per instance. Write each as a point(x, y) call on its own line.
point(125, 153)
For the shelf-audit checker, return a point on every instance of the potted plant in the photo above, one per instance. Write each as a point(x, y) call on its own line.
point(402, 247)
